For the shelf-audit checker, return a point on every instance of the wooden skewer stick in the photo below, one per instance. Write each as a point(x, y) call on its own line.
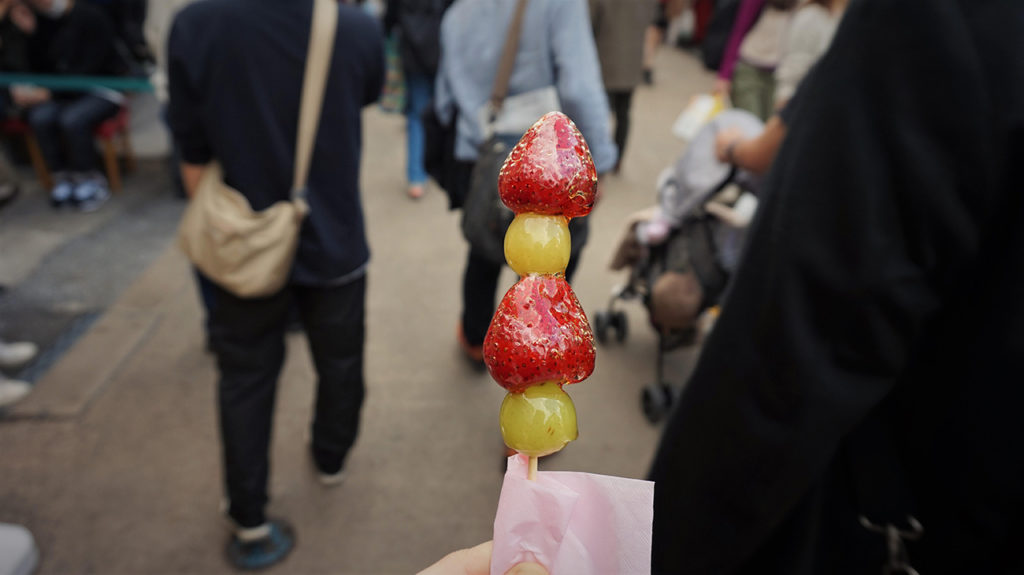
point(532, 475)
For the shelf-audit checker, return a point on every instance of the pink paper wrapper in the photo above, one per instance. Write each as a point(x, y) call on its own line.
point(573, 523)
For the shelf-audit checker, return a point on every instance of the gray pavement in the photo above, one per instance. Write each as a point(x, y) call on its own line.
point(62, 268)
point(113, 462)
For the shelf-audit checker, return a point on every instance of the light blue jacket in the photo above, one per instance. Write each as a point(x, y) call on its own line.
point(556, 47)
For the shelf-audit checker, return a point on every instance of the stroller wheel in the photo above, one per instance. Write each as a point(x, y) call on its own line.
point(656, 400)
point(602, 322)
point(619, 321)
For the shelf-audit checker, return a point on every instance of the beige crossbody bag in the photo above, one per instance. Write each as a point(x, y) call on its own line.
point(246, 252)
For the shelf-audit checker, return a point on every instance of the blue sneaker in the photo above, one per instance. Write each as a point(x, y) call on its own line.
point(264, 551)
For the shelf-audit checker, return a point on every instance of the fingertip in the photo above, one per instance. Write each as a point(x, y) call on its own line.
point(527, 569)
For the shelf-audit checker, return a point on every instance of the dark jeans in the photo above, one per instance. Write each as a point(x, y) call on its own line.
point(174, 161)
point(620, 103)
point(479, 293)
point(207, 296)
point(248, 338)
point(74, 121)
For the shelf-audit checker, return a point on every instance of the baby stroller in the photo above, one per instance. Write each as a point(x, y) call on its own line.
point(682, 252)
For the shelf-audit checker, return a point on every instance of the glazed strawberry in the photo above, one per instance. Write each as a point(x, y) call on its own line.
point(550, 170)
point(539, 333)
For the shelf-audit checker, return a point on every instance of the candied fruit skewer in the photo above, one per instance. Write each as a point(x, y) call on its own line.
point(540, 339)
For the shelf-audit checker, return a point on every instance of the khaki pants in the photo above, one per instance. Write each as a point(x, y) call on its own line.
point(753, 90)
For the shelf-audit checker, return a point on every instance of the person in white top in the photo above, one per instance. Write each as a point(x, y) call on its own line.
point(807, 39)
point(809, 36)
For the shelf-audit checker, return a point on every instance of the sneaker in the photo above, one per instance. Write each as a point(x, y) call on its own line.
point(473, 353)
point(648, 76)
point(12, 390)
point(16, 353)
point(62, 193)
point(261, 547)
point(91, 194)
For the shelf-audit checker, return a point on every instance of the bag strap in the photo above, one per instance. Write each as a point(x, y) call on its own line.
point(314, 81)
point(508, 61)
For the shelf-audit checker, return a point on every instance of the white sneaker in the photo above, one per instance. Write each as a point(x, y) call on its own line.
point(12, 390)
point(16, 353)
point(91, 194)
point(61, 193)
point(331, 479)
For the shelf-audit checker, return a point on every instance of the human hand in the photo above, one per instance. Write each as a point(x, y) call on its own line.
point(23, 17)
point(721, 87)
point(724, 140)
point(739, 215)
point(27, 96)
point(477, 561)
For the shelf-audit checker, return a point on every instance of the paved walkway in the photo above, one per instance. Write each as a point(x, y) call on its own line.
point(113, 462)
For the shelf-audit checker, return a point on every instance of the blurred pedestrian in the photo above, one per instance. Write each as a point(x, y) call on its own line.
point(556, 48)
point(128, 17)
point(236, 70)
point(619, 28)
point(856, 407)
point(159, 17)
point(17, 22)
point(746, 73)
point(807, 39)
point(656, 32)
point(71, 38)
point(418, 24)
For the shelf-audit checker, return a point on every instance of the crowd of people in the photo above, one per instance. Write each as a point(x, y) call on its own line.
point(838, 420)
point(63, 38)
point(69, 38)
point(828, 402)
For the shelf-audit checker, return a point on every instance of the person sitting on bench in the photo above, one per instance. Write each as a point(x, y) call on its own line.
point(73, 38)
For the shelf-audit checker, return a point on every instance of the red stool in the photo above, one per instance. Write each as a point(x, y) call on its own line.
point(110, 129)
point(106, 132)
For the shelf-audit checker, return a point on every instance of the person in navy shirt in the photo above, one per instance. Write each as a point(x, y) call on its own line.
point(235, 72)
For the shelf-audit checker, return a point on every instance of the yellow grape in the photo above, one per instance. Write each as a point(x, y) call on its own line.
point(537, 244)
point(539, 421)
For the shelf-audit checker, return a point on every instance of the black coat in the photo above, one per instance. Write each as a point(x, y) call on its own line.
point(81, 42)
point(128, 18)
point(14, 54)
point(870, 354)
